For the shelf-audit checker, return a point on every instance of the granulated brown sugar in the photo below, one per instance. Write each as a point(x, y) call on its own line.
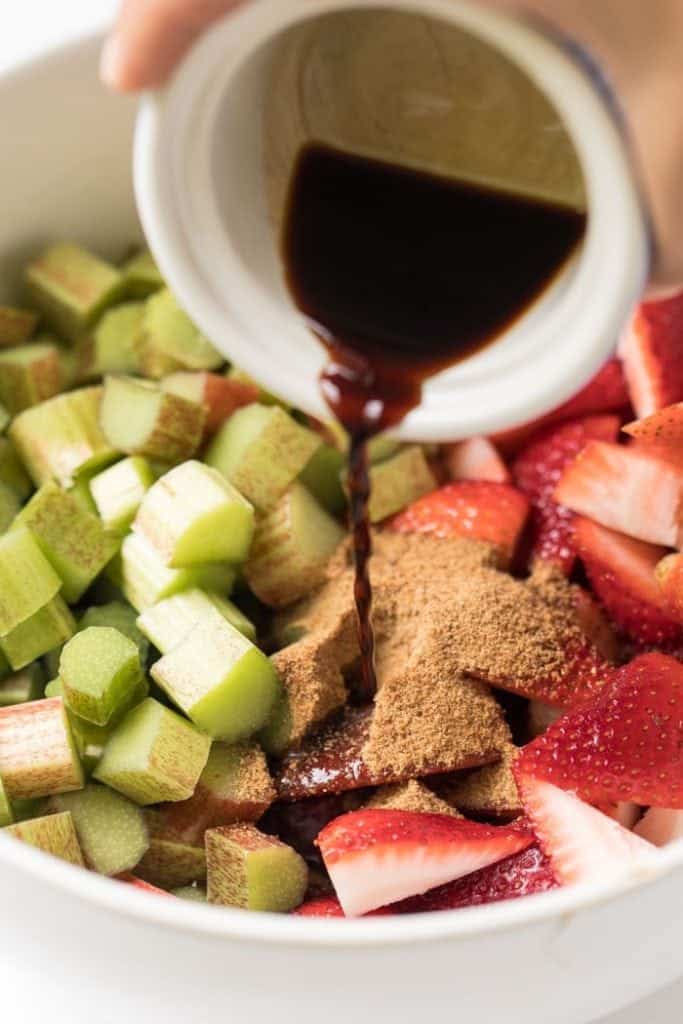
point(490, 791)
point(410, 796)
point(423, 720)
point(313, 687)
point(443, 612)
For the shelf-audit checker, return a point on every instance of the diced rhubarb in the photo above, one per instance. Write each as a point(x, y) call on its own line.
point(399, 481)
point(29, 374)
point(625, 744)
point(475, 459)
point(537, 471)
point(169, 860)
point(378, 857)
point(582, 843)
point(652, 353)
point(523, 874)
point(606, 392)
point(153, 755)
point(322, 476)
point(112, 347)
point(118, 491)
point(27, 580)
point(626, 489)
point(47, 629)
point(141, 275)
point(169, 341)
point(141, 885)
point(16, 326)
point(221, 396)
point(37, 752)
point(479, 510)
point(621, 571)
point(100, 671)
point(111, 830)
point(248, 869)
point(192, 516)
point(54, 834)
point(138, 418)
point(119, 616)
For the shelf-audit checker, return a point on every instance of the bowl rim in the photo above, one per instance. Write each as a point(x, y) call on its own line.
point(184, 917)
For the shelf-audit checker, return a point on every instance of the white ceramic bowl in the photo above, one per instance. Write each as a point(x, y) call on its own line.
point(76, 947)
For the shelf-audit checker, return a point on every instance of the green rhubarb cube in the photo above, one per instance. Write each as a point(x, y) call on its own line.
point(142, 276)
point(144, 580)
point(22, 686)
point(222, 682)
point(71, 288)
point(61, 439)
point(119, 616)
point(29, 375)
point(292, 546)
point(253, 871)
point(170, 860)
point(74, 542)
point(153, 755)
point(139, 418)
point(193, 893)
point(27, 580)
point(16, 325)
point(322, 477)
point(261, 450)
point(112, 831)
point(54, 834)
point(168, 340)
point(398, 481)
point(42, 632)
point(6, 816)
point(5, 418)
point(9, 507)
point(100, 669)
point(112, 347)
point(193, 516)
point(119, 490)
point(166, 623)
point(12, 472)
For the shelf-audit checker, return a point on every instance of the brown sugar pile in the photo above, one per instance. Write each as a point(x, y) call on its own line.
point(447, 622)
point(410, 796)
point(488, 792)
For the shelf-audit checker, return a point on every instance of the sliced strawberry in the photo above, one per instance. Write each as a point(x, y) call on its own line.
point(663, 429)
point(660, 826)
point(669, 575)
point(624, 744)
point(523, 874)
point(652, 354)
point(332, 761)
point(138, 883)
point(586, 672)
point(626, 489)
point(621, 571)
point(537, 472)
point(582, 843)
point(378, 857)
point(475, 459)
point(606, 392)
point(328, 906)
point(480, 510)
point(220, 395)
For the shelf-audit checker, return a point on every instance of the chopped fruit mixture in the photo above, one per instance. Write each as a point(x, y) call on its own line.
point(181, 702)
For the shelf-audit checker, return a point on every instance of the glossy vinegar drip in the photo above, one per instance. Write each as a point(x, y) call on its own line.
point(401, 274)
point(359, 497)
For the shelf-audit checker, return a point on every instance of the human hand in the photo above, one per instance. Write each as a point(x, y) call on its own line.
point(639, 46)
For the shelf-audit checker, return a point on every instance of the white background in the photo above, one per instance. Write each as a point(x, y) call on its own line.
point(29, 26)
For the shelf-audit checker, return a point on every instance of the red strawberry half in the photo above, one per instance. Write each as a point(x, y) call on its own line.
point(652, 353)
point(537, 472)
point(626, 489)
point(606, 392)
point(622, 574)
point(624, 744)
point(523, 874)
point(663, 429)
point(377, 857)
point(138, 883)
point(475, 459)
point(480, 510)
point(582, 843)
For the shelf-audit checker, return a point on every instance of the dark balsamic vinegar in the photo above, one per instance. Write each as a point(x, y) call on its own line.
point(401, 274)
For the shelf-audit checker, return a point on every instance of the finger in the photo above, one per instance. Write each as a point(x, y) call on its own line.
point(152, 36)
